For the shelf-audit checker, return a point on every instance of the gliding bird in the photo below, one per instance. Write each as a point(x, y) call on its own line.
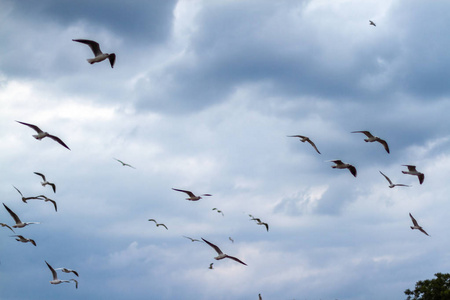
point(24, 240)
point(191, 195)
point(416, 225)
point(412, 171)
point(391, 185)
point(41, 134)
point(371, 138)
point(221, 254)
point(305, 139)
point(58, 281)
point(99, 55)
point(341, 165)
point(372, 23)
point(45, 182)
point(124, 164)
point(19, 224)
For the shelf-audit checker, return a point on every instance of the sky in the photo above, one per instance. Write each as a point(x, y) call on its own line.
point(203, 97)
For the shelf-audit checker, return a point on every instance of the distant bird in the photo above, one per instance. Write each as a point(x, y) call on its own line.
point(191, 195)
point(211, 266)
point(372, 23)
point(221, 254)
point(24, 240)
point(55, 277)
point(99, 55)
point(45, 182)
point(231, 239)
point(192, 240)
point(341, 165)
point(259, 295)
point(258, 222)
point(124, 164)
point(157, 225)
point(219, 211)
point(65, 270)
point(19, 224)
point(412, 171)
point(25, 199)
point(41, 134)
point(416, 225)
point(391, 185)
point(46, 199)
point(305, 139)
point(371, 138)
point(6, 225)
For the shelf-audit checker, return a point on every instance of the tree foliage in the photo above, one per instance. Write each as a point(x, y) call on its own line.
point(434, 289)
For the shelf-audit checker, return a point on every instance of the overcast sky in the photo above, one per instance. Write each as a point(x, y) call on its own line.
point(202, 97)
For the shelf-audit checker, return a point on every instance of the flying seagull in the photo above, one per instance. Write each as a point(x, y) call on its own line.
point(372, 23)
point(259, 296)
point(391, 185)
point(416, 225)
point(211, 266)
point(25, 199)
point(412, 171)
point(371, 138)
point(124, 164)
point(191, 195)
point(231, 239)
point(99, 55)
point(221, 254)
point(41, 134)
point(24, 240)
point(65, 270)
point(6, 225)
point(305, 139)
point(157, 225)
point(19, 224)
point(341, 165)
point(45, 182)
point(192, 240)
point(55, 277)
point(258, 222)
point(219, 211)
point(46, 199)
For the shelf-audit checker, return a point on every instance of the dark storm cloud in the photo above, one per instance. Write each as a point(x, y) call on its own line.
point(142, 22)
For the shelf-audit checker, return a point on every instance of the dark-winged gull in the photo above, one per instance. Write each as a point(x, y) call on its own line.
point(20, 238)
point(371, 138)
point(124, 164)
point(416, 225)
point(42, 134)
point(341, 165)
point(99, 55)
point(45, 182)
point(221, 254)
point(412, 171)
point(305, 139)
point(191, 195)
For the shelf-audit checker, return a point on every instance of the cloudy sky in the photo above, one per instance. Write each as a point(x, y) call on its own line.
point(202, 97)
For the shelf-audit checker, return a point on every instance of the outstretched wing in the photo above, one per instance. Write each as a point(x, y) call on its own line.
point(55, 276)
point(40, 174)
point(413, 220)
point(13, 215)
point(314, 145)
point(55, 138)
point(95, 47)
point(184, 191)
point(236, 259)
point(387, 178)
point(112, 59)
point(385, 145)
point(367, 133)
point(213, 246)
point(352, 170)
point(37, 129)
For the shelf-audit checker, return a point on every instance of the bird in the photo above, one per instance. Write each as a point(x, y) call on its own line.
point(219, 211)
point(191, 195)
point(221, 254)
point(55, 277)
point(259, 296)
point(211, 266)
point(41, 134)
point(416, 225)
point(99, 55)
point(157, 225)
point(371, 138)
point(19, 224)
point(391, 185)
point(412, 171)
point(65, 270)
point(231, 239)
point(258, 222)
point(124, 164)
point(24, 199)
point(192, 240)
point(6, 225)
point(24, 240)
point(341, 165)
point(45, 182)
point(306, 139)
point(46, 199)
point(372, 23)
